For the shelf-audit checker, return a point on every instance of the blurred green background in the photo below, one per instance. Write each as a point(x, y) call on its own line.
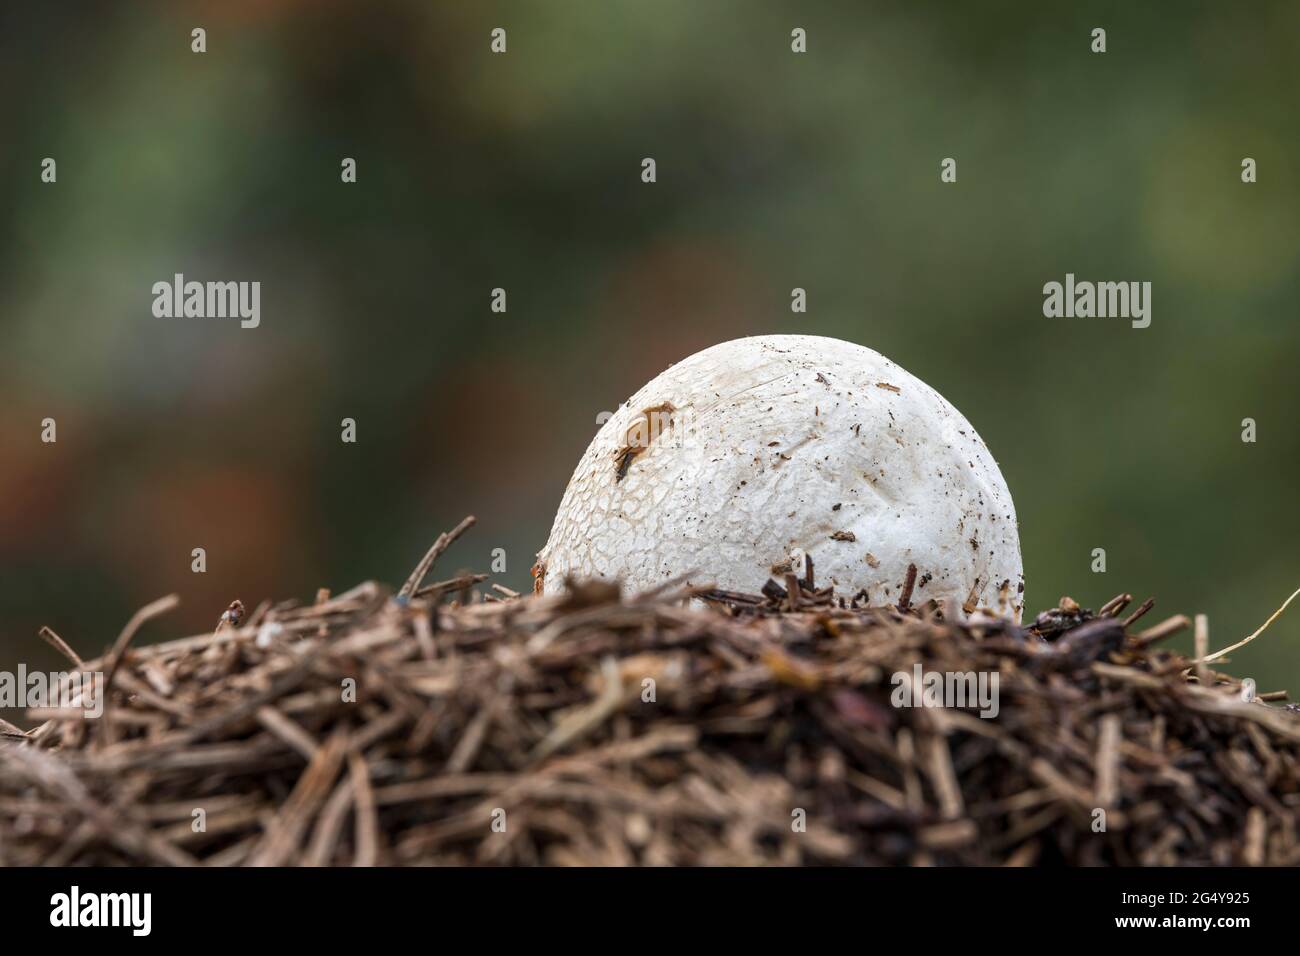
point(522, 171)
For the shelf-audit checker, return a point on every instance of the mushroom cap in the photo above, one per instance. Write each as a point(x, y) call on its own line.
point(738, 460)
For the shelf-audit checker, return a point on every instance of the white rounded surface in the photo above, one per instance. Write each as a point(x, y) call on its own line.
point(738, 459)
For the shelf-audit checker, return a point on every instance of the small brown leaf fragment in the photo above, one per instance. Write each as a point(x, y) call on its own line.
point(787, 670)
point(642, 431)
point(844, 536)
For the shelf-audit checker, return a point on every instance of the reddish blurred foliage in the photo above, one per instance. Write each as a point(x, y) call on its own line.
point(672, 300)
point(483, 427)
point(36, 477)
point(249, 524)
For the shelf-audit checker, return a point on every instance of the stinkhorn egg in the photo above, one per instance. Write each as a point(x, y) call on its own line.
point(736, 462)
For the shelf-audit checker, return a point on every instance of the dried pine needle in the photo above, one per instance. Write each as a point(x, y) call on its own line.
point(1260, 630)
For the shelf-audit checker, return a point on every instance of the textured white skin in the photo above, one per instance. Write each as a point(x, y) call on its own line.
point(711, 495)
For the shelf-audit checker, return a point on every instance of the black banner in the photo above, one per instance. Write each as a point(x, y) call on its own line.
point(579, 907)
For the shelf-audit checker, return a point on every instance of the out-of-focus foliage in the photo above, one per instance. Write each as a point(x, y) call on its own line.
point(522, 170)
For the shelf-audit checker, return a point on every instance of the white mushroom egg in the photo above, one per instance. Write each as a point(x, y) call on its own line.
point(742, 458)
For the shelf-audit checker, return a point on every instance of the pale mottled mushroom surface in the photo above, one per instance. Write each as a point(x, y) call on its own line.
point(759, 449)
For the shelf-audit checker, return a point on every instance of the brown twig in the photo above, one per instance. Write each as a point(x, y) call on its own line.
point(443, 542)
point(905, 599)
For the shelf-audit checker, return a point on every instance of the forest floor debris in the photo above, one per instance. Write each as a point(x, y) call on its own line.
point(446, 723)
